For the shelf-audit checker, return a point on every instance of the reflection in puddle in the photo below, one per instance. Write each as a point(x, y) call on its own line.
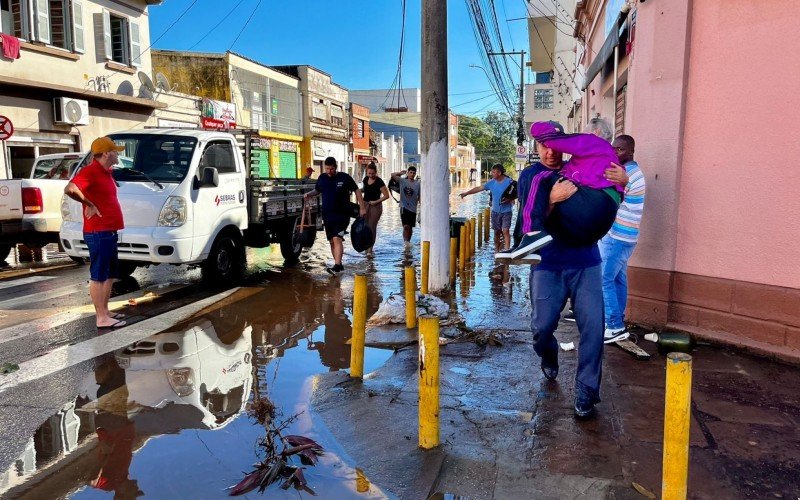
point(165, 416)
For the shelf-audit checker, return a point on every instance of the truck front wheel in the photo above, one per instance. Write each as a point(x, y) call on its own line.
point(291, 246)
point(225, 264)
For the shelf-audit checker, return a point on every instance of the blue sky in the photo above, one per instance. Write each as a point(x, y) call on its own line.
point(356, 41)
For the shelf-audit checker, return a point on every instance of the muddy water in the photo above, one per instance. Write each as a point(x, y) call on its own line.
point(167, 416)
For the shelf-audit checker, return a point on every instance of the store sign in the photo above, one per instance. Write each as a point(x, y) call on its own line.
point(217, 114)
point(274, 106)
point(287, 146)
point(362, 159)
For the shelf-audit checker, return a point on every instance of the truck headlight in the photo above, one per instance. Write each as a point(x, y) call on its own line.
point(181, 380)
point(173, 213)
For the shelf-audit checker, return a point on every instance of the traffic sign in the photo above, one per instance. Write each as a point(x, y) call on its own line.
point(522, 153)
point(6, 128)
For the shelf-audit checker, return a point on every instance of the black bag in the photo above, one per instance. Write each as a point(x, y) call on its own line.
point(361, 235)
point(307, 232)
point(394, 185)
point(354, 210)
point(510, 192)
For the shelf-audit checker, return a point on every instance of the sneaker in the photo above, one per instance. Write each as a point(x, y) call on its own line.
point(530, 259)
point(615, 335)
point(570, 316)
point(335, 269)
point(530, 243)
point(550, 367)
point(584, 407)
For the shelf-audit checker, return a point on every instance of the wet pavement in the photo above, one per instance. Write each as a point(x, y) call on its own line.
point(170, 415)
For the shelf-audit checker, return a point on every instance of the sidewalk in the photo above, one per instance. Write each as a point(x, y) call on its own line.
point(506, 432)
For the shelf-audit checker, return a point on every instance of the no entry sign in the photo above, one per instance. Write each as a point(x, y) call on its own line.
point(6, 128)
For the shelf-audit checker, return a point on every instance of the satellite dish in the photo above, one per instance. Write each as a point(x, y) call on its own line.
point(146, 82)
point(72, 111)
point(145, 93)
point(125, 88)
point(162, 82)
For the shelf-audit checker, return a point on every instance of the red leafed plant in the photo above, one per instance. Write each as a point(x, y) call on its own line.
point(277, 465)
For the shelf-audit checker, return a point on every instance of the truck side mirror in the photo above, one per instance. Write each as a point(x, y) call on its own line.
point(210, 177)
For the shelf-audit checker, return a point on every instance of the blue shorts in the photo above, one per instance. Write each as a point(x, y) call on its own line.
point(103, 260)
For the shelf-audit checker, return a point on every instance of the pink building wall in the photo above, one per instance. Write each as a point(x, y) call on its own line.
point(739, 215)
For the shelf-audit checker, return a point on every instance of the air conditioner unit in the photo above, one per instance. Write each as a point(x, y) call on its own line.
point(67, 110)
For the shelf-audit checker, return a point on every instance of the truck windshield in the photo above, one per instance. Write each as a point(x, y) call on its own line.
point(55, 168)
point(164, 158)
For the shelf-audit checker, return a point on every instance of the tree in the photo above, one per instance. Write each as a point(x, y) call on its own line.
point(493, 137)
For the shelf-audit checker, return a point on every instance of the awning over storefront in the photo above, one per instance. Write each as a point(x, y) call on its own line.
point(606, 51)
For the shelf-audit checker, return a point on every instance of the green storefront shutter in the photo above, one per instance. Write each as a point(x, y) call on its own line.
point(288, 164)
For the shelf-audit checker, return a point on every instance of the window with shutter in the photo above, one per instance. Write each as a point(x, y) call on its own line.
point(60, 31)
point(136, 46)
point(107, 35)
point(42, 11)
point(77, 26)
point(15, 18)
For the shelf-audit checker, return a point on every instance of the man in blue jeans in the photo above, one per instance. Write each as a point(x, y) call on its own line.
point(568, 272)
point(95, 189)
point(617, 246)
point(502, 209)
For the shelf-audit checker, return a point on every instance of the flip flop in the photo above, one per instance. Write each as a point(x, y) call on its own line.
point(115, 315)
point(118, 324)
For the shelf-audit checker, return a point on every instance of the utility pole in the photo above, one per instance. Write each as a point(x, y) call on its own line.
point(521, 133)
point(435, 143)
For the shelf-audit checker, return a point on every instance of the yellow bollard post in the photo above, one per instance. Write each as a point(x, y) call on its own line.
point(472, 234)
point(428, 382)
point(462, 247)
point(677, 417)
point(480, 229)
point(467, 238)
point(426, 259)
point(359, 327)
point(411, 297)
point(487, 214)
point(453, 259)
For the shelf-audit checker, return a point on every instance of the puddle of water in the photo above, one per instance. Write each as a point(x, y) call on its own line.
point(166, 416)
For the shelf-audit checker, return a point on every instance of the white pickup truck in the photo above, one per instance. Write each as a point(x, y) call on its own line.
point(30, 208)
point(189, 197)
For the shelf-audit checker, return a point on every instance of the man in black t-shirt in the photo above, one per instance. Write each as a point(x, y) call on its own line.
point(335, 188)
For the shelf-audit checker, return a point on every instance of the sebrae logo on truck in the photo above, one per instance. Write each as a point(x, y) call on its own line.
point(225, 199)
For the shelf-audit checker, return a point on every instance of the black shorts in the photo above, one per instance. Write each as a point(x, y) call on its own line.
point(408, 218)
point(336, 226)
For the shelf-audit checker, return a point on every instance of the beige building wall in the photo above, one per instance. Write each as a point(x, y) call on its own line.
point(110, 90)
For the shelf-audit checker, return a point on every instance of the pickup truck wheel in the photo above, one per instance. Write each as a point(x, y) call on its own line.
point(290, 242)
point(125, 268)
point(225, 263)
point(5, 250)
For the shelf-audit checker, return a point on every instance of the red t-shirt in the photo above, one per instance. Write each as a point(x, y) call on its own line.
point(97, 185)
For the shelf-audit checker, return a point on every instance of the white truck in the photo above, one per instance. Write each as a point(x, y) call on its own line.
point(30, 208)
point(196, 197)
